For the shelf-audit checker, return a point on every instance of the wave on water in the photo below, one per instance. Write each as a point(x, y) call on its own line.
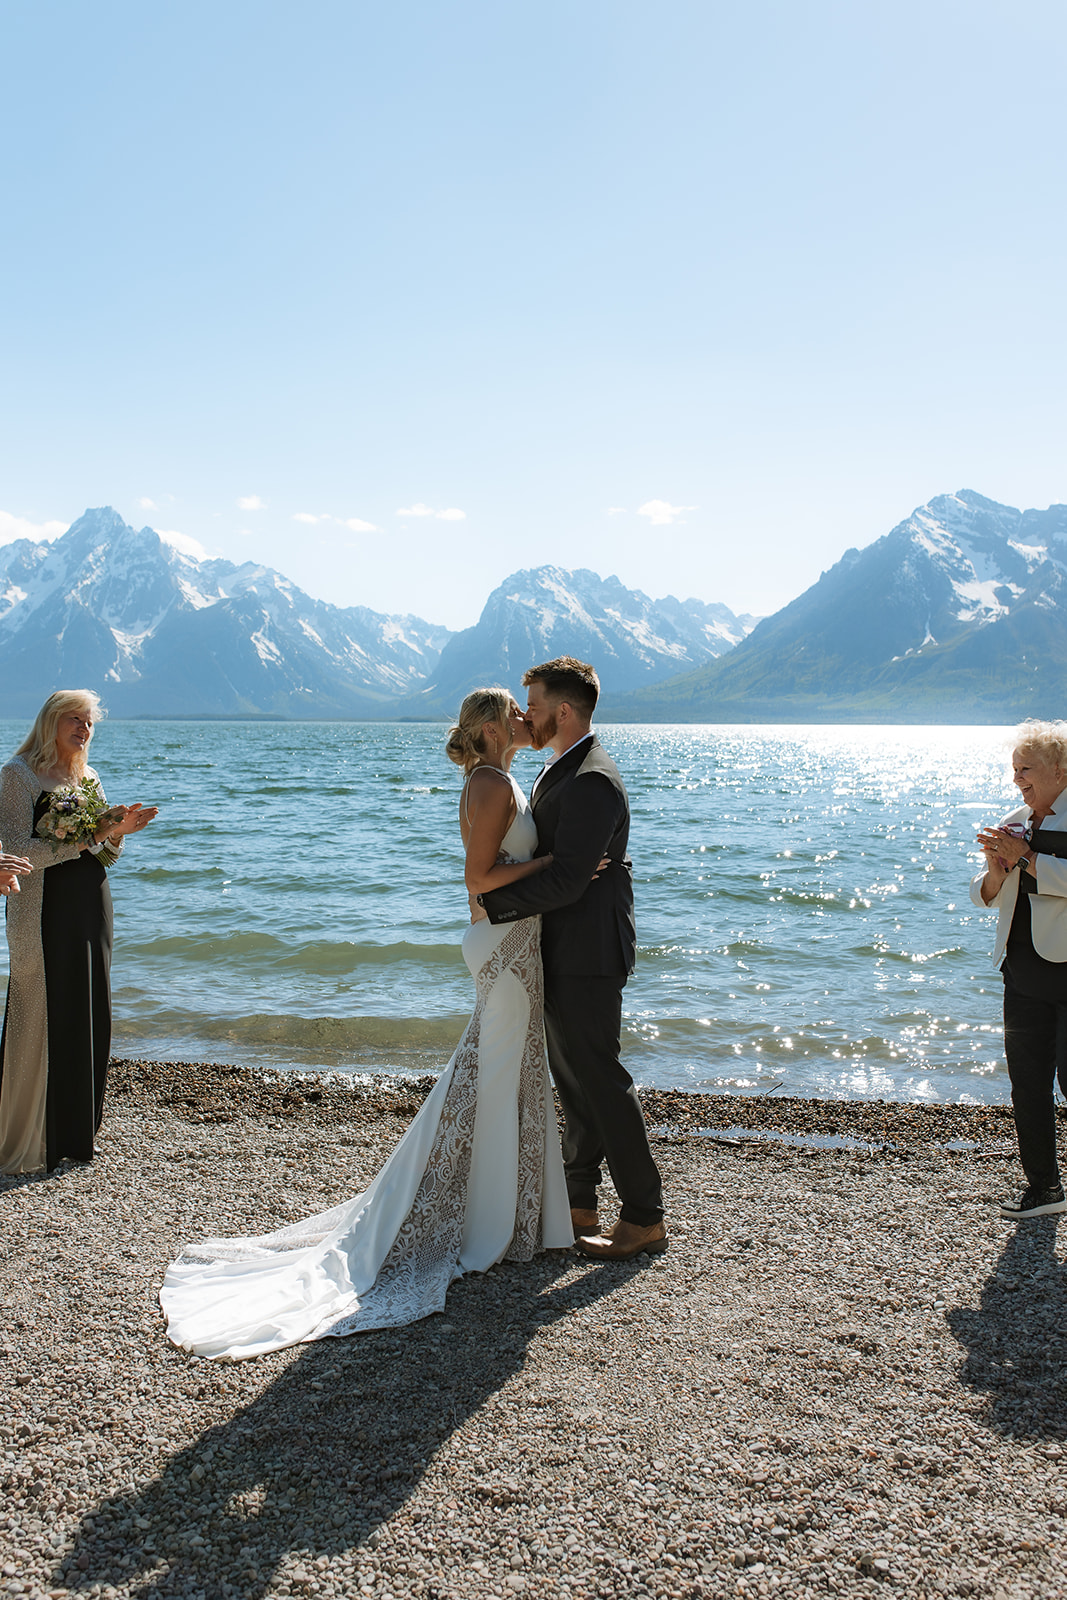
point(164, 872)
point(333, 1041)
point(314, 955)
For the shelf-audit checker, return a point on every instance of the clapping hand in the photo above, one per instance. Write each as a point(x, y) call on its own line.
point(11, 869)
point(129, 819)
point(1001, 846)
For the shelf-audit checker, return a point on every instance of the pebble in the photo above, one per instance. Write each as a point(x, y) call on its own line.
point(846, 1375)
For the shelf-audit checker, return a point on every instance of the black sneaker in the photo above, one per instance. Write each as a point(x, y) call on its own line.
point(1037, 1202)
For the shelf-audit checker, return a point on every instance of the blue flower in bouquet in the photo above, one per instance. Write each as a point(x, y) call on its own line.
point(75, 812)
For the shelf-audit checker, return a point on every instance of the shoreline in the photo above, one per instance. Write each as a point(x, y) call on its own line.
point(889, 1124)
point(847, 1371)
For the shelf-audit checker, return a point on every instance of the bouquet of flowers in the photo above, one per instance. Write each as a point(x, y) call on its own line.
point(76, 811)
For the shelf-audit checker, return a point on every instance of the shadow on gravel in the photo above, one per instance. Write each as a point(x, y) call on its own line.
point(1016, 1340)
point(331, 1449)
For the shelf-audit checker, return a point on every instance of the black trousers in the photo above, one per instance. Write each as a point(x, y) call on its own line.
point(602, 1115)
point(1035, 1044)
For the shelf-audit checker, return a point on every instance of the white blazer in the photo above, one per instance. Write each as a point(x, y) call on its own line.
point(1048, 908)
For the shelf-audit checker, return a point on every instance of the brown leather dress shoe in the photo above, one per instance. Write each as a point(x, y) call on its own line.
point(625, 1240)
point(584, 1222)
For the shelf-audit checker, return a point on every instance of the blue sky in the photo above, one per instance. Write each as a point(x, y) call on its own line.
point(471, 284)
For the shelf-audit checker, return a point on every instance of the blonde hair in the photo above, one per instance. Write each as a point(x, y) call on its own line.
point(38, 749)
point(466, 739)
point(1046, 740)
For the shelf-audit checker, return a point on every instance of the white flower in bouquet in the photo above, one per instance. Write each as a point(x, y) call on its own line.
point(75, 813)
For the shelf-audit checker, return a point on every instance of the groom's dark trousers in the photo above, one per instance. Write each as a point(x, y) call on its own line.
point(587, 946)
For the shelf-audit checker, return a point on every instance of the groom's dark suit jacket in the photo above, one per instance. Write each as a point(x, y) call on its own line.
point(582, 813)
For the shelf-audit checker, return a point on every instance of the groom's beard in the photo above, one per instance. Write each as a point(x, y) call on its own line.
point(539, 737)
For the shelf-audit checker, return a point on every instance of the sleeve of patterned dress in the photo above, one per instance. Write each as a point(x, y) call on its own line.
point(16, 820)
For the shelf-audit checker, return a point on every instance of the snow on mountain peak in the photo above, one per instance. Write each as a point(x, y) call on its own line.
point(542, 612)
point(985, 552)
point(169, 632)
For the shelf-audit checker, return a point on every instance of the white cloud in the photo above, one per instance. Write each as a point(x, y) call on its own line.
point(450, 514)
point(661, 512)
point(12, 527)
point(146, 504)
point(357, 524)
point(251, 502)
point(184, 543)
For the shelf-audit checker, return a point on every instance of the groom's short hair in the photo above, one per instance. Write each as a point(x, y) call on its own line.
point(567, 679)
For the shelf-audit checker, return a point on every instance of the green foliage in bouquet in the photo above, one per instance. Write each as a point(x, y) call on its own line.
point(75, 813)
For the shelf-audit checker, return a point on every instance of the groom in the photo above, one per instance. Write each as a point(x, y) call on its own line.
point(587, 946)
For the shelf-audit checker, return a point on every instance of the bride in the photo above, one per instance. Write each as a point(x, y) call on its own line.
point(477, 1177)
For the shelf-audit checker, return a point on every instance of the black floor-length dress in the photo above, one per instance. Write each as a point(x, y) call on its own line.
point(57, 1024)
point(76, 932)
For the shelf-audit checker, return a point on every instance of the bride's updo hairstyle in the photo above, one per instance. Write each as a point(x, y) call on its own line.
point(466, 740)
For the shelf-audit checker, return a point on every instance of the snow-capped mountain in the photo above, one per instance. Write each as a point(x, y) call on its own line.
point(959, 613)
point(158, 632)
point(546, 611)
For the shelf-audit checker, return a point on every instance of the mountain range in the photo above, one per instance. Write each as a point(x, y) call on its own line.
point(547, 612)
point(959, 614)
point(160, 633)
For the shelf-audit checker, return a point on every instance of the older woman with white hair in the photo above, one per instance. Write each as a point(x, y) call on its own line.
point(1025, 880)
point(57, 1026)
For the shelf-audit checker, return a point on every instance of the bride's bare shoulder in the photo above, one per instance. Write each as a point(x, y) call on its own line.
point(487, 793)
point(485, 777)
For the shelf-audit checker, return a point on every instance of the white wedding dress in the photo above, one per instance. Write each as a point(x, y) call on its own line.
point(476, 1179)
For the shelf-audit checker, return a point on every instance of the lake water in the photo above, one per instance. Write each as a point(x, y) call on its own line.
point(803, 915)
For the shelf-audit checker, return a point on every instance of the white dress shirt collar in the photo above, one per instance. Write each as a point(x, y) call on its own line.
point(552, 758)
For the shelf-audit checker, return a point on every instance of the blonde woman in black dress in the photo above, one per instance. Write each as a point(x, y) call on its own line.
point(57, 1025)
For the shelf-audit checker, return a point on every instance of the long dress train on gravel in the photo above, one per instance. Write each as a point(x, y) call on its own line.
point(476, 1179)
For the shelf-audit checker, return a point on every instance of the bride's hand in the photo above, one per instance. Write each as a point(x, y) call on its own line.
point(478, 913)
point(602, 866)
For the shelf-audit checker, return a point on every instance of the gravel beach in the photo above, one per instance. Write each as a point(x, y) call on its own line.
point(847, 1375)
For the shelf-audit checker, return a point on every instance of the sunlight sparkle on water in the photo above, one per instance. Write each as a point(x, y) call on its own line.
point(809, 880)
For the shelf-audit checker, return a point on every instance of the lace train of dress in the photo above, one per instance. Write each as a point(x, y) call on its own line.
point(476, 1179)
